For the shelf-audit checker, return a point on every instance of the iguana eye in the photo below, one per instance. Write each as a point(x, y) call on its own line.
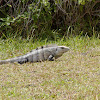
point(62, 47)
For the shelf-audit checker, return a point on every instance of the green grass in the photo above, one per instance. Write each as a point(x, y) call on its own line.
point(74, 76)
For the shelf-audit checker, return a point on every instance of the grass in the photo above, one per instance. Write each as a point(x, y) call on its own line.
point(74, 76)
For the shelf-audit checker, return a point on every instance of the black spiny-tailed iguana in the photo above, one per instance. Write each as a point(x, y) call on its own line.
point(39, 54)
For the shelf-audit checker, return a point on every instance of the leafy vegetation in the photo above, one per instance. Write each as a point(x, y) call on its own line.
point(41, 18)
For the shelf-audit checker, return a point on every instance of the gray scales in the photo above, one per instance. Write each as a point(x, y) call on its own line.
point(40, 54)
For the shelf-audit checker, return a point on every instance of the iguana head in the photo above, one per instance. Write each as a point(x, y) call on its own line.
point(60, 50)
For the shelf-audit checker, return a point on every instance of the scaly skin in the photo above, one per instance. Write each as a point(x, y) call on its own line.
point(39, 54)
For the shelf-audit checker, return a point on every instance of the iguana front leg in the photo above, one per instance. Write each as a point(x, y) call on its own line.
point(51, 58)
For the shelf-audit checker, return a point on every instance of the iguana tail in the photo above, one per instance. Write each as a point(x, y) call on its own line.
point(12, 60)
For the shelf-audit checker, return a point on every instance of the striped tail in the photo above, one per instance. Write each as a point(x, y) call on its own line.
point(8, 61)
point(20, 60)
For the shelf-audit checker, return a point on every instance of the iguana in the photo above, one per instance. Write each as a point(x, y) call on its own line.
point(39, 54)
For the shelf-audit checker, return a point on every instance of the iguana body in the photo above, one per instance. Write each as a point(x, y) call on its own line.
point(39, 54)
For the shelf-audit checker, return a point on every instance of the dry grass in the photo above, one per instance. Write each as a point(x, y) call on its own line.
point(75, 76)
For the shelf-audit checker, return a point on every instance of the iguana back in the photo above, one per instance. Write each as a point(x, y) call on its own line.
point(39, 54)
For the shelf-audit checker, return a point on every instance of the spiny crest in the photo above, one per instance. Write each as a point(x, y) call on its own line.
point(51, 45)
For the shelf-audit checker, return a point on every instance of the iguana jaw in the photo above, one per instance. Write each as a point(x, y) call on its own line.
point(61, 50)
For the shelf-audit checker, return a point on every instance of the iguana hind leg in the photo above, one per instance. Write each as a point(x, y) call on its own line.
point(21, 61)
